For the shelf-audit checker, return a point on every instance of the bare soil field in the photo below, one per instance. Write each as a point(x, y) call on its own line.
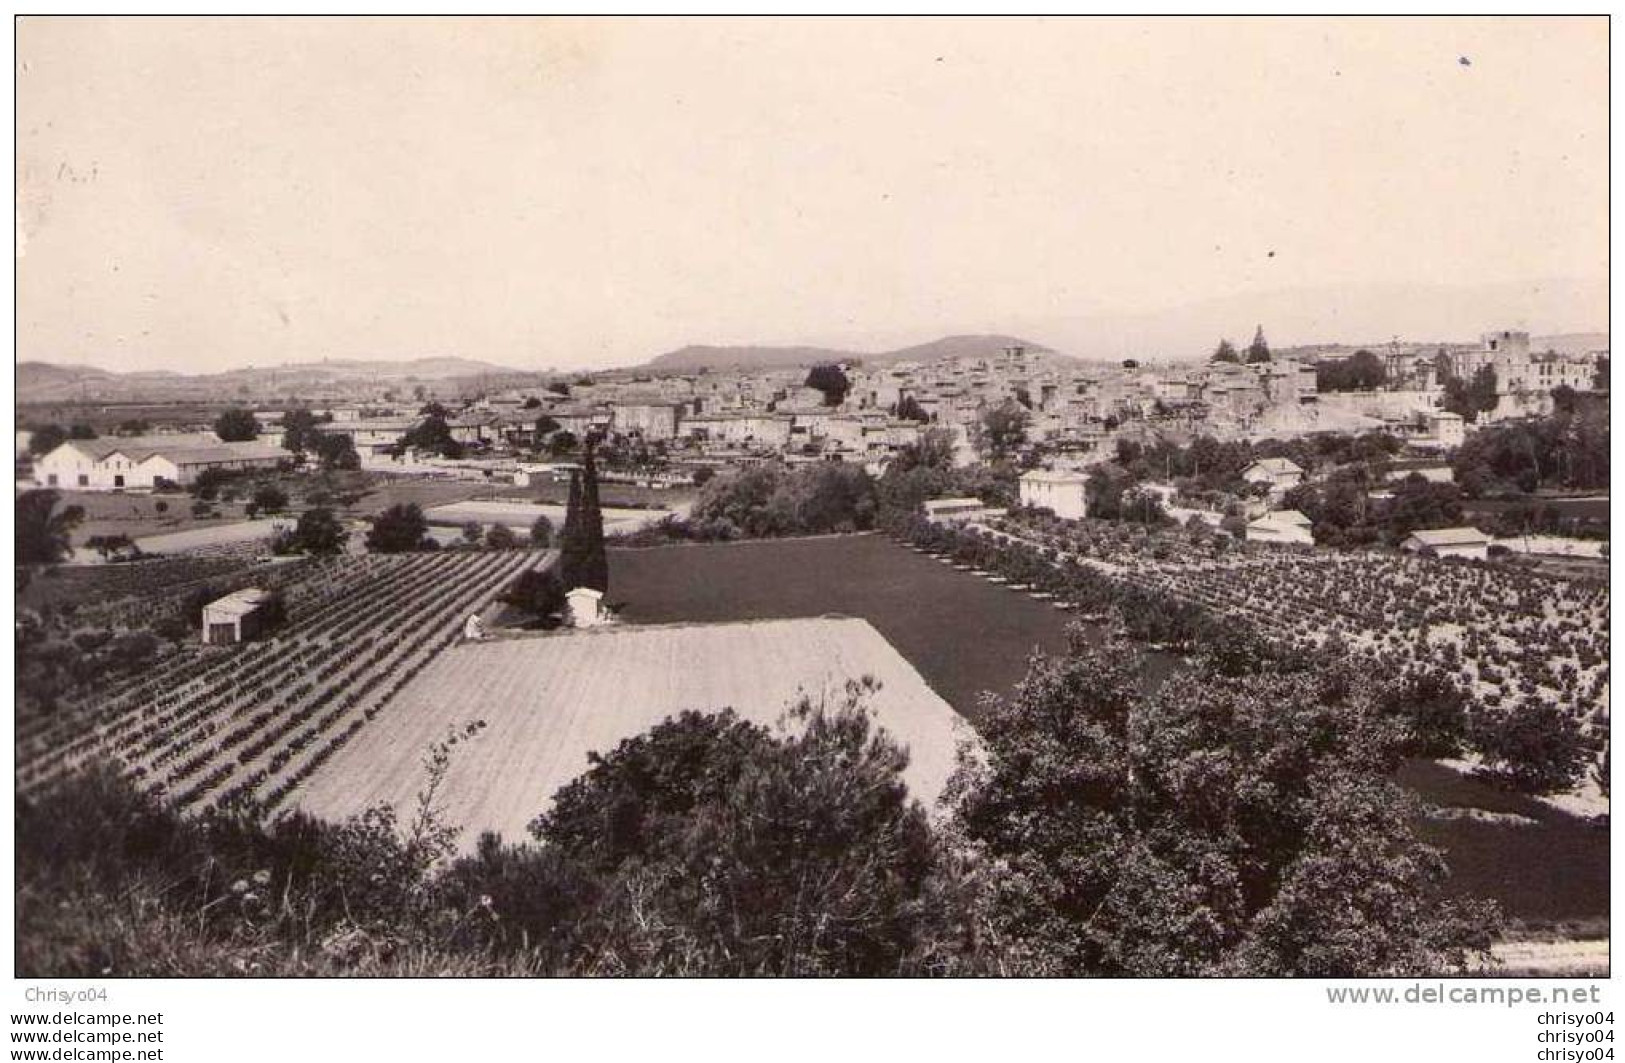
point(549, 700)
point(520, 514)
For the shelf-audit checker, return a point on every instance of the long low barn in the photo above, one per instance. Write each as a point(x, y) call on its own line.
point(117, 463)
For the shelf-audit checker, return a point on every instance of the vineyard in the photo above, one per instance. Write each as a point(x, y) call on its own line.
point(244, 727)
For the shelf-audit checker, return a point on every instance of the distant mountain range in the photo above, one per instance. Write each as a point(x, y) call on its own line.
point(49, 382)
point(1316, 317)
point(695, 358)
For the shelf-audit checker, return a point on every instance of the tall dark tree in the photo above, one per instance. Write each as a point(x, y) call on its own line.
point(572, 553)
point(1225, 352)
point(43, 532)
point(236, 425)
point(1259, 349)
point(595, 561)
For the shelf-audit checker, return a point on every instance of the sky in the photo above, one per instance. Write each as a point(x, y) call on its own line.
point(196, 195)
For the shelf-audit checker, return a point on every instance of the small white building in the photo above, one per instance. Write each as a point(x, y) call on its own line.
point(1281, 474)
point(1447, 429)
point(1283, 527)
point(585, 607)
point(1466, 542)
point(1062, 493)
point(238, 616)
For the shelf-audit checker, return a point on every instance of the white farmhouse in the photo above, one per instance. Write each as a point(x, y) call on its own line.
point(1449, 542)
point(1283, 527)
point(1062, 493)
point(1281, 474)
point(119, 463)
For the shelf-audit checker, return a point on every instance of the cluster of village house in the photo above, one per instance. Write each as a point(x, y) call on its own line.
point(1074, 413)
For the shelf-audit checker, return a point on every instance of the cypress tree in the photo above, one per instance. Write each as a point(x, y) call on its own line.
point(594, 559)
point(570, 539)
point(1259, 349)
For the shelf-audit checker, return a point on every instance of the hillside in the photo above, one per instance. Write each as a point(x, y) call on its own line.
point(699, 356)
point(44, 375)
point(1570, 342)
point(955, 347)
point(46, 382)
point(696, 357)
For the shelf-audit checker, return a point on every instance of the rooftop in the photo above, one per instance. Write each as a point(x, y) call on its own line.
point(240, 603)
point(1450, 536)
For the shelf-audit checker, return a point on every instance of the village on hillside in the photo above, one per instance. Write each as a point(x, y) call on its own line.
point(387, 606)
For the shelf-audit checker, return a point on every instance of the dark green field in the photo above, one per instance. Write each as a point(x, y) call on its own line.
point(967, 636)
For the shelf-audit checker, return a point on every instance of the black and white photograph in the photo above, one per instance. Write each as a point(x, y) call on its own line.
point(637, 498)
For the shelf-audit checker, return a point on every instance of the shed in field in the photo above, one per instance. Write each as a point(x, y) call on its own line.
point(240, 616)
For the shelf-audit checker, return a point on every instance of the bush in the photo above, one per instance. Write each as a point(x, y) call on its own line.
point(537, 592)
point(1533, 745)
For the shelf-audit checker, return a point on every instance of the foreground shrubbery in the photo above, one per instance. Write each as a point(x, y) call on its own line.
point(1223, 825)
point(707, 846)
point(1241, 820)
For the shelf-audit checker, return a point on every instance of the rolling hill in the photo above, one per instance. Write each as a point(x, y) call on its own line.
point(48, 382)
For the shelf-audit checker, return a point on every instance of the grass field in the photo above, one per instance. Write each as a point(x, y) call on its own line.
point(549, 700)
point(1594, 507)
point(137, 515)
point(966, 636)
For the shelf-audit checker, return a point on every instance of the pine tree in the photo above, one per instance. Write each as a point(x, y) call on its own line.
point(594, 559)
point(1225, 352)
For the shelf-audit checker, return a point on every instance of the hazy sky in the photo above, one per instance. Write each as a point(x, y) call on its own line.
point(213, 193)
